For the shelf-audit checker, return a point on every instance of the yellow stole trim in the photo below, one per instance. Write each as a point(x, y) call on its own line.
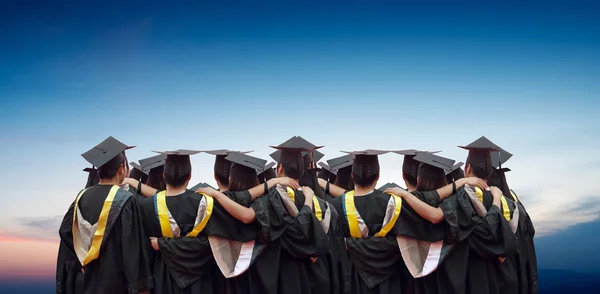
point(290, 192)
point(350, 211)
point(505, 209)
point(165, 223)
point(352, 216)
point(94, 251)
point(397, 209)
point(318, 211)
point(209, 208)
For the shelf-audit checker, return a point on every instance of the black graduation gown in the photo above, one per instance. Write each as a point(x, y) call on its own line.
point(296, 238)
point(199, 275)
point(189, 253)
point(475, 241)
point(122, 264)
point(376, 264)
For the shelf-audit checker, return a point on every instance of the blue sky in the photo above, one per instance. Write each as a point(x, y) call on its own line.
point(345, 75)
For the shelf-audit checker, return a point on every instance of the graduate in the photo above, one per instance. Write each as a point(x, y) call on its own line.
point(136, 172)
point(371, 220)
point(222, 166)
point(294, 227)
point(102, 231)
point(410, 167)
point(92, 176)
point(343, 181)
point(153, 167)
point(180, 213)
point(235, 232)
point(526, 259)
point(480, 235)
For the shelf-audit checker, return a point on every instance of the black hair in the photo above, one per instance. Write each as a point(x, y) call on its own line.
point(224, 180)
point(364, 180)
point(344, 178)
point(110, 169)
point(156, 179)
point(92, 178)
point(241, 178)
point(430, 178)
point(410, 179)
point(177, 181)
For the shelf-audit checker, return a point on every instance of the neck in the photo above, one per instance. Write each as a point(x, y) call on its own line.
point(112, 181)
point(360, 191)
point(173, 191)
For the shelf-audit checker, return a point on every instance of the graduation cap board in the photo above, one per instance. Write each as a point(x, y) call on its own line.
point(409, 165)
point(480, 153)
point(267, 167)
point(335, 164)
point(222, 165)
point(455, 167)
point(105, 151)
point(388, 186)
point(433, 160)
point(149, 163)
point(177, 163)
point(201, 185)
point(136, 165)
point(366, 162)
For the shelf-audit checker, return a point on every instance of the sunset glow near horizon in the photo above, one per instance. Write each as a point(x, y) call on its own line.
point(425, 76)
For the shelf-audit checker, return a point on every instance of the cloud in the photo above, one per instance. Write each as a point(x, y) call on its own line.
point(32, 229)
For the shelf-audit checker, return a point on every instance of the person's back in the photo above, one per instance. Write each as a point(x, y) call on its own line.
point(102, 231)
point(180, 213)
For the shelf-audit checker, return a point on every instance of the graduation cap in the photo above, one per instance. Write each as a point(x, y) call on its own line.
point(409, 165)
point(136, 165)
point(479, 153)
point(266, 168)
point(222, 165)
point(366, 162)
point(105, 151)
point(177, 163)
point(388, 186)
point(335, 164)
point(201, 185)
point(454, 167)
point(445, 164)
point(291, 152)
point(149, 163)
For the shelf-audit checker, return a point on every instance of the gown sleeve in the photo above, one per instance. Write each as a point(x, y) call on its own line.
point(304, 236)
point(375, 258)
point(69, 277)
point(136, 265)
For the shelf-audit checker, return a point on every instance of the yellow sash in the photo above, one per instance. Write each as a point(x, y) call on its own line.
point(352, 216)
point(163, 215)
point(505, 209)
point(94, 250)
point(317, 206)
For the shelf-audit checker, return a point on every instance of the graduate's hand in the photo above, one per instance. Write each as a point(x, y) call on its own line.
point(208, 191)
point(308, 192)
point(477, 182)
point(154, 243)
point(496, 192)
point(288, 182)
point(396, 191)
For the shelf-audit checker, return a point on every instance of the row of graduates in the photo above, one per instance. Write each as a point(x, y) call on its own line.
point(291, 227)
